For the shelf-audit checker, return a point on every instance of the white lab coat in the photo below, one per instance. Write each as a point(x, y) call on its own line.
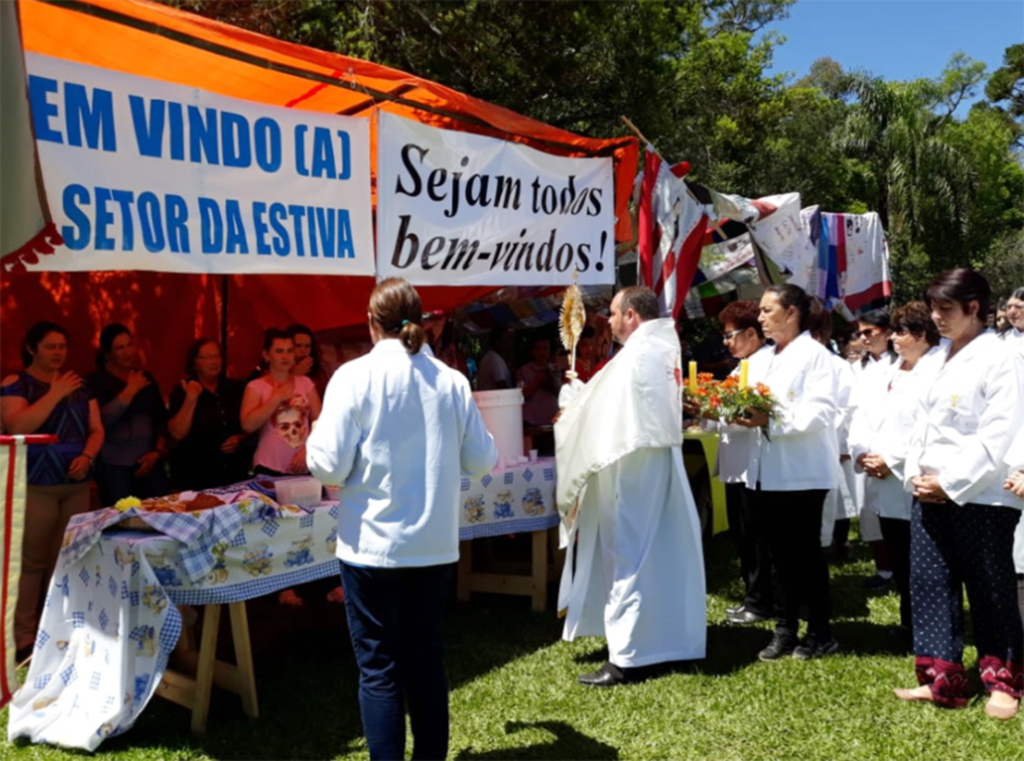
point(634, 568)
point(803, 450)
point(1014, 338)
point(844, 500)
point(883, 423)
point(1015, 462)
point(736, 441)
point(966, 420)
point(397, 432)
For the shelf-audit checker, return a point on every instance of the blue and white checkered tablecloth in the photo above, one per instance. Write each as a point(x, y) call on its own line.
point(111, 619)
point(514, 500)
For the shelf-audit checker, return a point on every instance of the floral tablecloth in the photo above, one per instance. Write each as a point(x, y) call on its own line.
point(514, 500)
point(110, 621)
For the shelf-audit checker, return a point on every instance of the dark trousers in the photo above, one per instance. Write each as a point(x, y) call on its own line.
point(117, 481)
point(956, 547)
point(748, 533)
point(395, 618)
point(896, 534)
point(792, 521)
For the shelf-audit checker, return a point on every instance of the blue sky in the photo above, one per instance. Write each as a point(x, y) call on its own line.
point(897, 39)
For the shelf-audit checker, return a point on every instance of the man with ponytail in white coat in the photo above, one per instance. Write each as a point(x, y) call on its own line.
point(634, 570)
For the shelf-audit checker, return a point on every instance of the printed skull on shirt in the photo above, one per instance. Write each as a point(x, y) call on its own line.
point(286, 431)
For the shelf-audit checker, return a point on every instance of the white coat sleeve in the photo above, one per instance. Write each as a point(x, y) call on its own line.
point(479, 453)
point(1015, 455)
point(859, 439)
point(983, 453)
point(332, 446)
point(815, 409)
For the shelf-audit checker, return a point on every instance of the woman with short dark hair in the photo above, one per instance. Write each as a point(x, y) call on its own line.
point(398, 431)
point(744, 340)
point(281, 407)
point(962, 519)
point(41, 399)
point(135, 419)
point(204, 422)
point(880, 435)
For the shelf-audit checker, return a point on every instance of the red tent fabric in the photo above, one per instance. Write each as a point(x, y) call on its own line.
point(167, 311)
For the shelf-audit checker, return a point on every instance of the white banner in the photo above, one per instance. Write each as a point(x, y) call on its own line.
point(149, 175)
point(460, 209)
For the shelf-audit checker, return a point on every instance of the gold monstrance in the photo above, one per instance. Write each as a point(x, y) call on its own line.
point(570, 323)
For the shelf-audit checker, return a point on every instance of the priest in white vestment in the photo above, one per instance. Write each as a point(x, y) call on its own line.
point(634, 570)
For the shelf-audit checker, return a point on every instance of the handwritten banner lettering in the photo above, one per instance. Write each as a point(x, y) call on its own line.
point(462, 209)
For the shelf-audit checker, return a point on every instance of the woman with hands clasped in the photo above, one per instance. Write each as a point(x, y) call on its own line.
point(205, 409)
point(282, 407)
point(41, 399)
point(792, 468)
point(962, 519)
point(134, 417)
point(880, 434)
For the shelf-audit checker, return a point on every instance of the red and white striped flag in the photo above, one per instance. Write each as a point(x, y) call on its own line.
point(672, 225)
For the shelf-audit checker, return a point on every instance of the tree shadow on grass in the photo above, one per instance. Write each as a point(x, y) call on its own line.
point(569, 743)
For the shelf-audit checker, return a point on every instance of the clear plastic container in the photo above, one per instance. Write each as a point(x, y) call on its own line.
point(304, 491)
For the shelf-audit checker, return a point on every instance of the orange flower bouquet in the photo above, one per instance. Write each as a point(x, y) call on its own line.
point(727, 400)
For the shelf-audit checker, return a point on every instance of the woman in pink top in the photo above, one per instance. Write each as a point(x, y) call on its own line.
point(282, 407)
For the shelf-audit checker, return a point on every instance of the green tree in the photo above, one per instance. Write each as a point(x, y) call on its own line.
point(1005, 88)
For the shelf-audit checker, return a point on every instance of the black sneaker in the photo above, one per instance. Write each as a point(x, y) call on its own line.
point(878, 582)
point(780, 646)
point(814, 646)
point(734, 609)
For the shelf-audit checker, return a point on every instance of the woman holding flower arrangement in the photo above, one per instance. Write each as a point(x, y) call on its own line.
point(745, 341)
point(792, 469)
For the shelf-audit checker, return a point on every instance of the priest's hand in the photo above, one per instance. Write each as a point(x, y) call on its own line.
point(928, 490)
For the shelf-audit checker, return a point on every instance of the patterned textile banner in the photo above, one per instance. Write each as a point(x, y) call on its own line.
point(12, 486)
point(672, 227)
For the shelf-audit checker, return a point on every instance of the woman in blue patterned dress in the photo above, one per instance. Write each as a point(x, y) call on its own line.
point(43, 400)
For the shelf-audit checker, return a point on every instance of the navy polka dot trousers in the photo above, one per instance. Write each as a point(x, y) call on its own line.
point(953, 548)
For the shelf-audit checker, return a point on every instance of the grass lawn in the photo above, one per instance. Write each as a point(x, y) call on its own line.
point(514, 695)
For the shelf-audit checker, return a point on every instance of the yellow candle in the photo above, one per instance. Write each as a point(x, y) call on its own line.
point(744, 367)
point(693, 376)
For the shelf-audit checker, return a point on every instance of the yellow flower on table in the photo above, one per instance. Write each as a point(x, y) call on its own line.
point(127, 503)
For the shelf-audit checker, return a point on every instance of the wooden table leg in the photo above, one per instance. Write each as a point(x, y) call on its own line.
point(464, 570)
point(204, 668)
point(246, 681)
point(540, 570)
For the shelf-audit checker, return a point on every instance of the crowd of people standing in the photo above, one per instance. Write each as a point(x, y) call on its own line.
point(919, 434)
point(929, 428)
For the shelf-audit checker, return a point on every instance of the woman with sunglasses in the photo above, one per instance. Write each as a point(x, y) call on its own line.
point(962, 520)
point(874, 329)
point(1014, 335)
point(745, 340)
point(880, 434)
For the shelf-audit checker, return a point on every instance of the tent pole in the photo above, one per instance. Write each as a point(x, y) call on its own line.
point(224, 317)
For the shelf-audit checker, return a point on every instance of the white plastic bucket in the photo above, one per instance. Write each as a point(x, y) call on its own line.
point(502, 411)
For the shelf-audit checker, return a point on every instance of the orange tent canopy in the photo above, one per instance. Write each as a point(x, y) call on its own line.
point(167, 311)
